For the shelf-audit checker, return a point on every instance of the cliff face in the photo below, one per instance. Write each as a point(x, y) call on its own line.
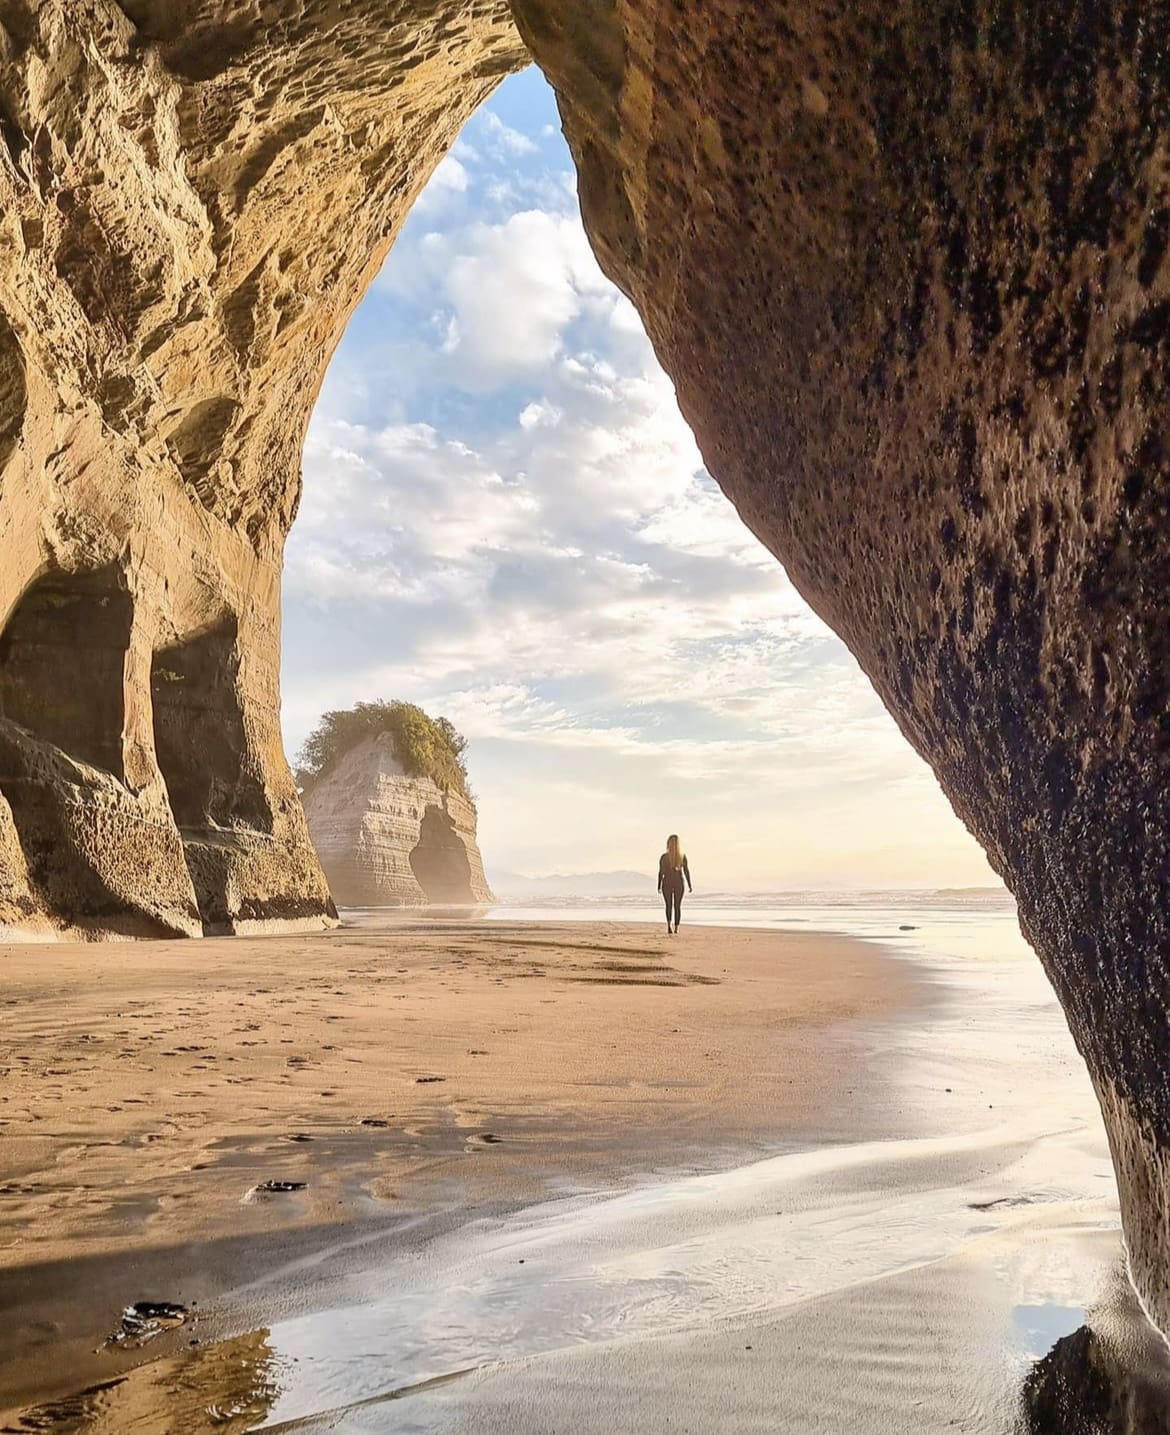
point(386, 838)
point(909, 269)
point(175, 182)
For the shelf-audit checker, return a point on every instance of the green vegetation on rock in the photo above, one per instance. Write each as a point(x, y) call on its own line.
point(425, 746)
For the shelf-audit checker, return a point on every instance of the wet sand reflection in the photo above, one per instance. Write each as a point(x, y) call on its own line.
point(227, 1388)
point(1110, 1377)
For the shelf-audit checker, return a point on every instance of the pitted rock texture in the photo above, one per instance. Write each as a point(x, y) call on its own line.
point(1115, 1382)
point(386, 838)
point(908, 269)
point(192, 201)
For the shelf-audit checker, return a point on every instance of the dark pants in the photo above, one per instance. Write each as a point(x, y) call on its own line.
point(672, 893)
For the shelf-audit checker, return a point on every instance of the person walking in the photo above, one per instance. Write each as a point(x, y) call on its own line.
point(672, 871)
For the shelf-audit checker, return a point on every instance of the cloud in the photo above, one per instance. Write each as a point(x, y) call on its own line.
point(506, 518)
point(512, 291)
point(540, 414)
point(450, 177)
point(511, 142)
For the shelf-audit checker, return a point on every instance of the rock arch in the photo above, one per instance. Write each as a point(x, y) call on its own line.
point(907, 269)
point(439, 859)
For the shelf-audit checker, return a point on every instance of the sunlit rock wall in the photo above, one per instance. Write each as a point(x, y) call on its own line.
point(192, 201)
point(386, 838)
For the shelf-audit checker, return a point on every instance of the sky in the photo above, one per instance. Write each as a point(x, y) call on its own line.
point(507, 521)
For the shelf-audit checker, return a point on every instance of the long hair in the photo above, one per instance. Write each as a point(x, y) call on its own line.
point(674, 851)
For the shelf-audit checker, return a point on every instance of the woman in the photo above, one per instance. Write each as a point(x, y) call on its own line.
point(672, 869)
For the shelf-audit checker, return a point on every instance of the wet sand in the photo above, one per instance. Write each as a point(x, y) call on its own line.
point(412, 1078)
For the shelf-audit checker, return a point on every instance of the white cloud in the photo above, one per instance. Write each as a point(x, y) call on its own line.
point(538, 414)
point(450, 175)
point(506, 518)
point(512, 290)
point(505, 138)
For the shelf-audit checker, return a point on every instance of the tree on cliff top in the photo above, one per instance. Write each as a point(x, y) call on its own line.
point(425, 746)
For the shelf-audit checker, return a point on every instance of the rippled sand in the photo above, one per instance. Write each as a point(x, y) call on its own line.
point(932, 1247)
point(863, 1288)
point(407, 1075)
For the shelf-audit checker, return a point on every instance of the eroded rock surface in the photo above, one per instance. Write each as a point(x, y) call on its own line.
point(192, 201)
point(386, 838)
point(908, 268)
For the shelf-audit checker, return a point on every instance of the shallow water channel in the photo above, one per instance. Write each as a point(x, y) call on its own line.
point(967, 1278)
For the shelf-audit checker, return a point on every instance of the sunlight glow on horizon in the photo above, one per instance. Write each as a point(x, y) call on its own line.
point(506, 520)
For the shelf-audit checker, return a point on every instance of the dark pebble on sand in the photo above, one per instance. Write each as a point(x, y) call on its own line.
point(145, 1319)
point(427, 1080)
point(907, 927)
point(374, 1121)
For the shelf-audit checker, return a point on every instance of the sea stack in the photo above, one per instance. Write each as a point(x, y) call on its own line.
point(389, 832)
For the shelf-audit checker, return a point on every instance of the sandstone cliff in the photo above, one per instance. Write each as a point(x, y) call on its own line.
point(386, 838)
point(192, 201)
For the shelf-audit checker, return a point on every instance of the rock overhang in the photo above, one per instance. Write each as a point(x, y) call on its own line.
point(909, 275)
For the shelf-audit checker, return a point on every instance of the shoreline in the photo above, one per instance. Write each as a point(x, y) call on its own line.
point(417, 1077)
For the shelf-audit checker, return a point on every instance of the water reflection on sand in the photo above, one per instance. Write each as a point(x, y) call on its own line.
point(578, 1317)
point(228, 1388)
point(968, 1278)
point(1110, 1376)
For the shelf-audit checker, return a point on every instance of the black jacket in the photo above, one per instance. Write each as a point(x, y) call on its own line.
point(669, 876)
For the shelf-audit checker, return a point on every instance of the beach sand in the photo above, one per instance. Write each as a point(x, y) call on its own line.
point(410, 1076)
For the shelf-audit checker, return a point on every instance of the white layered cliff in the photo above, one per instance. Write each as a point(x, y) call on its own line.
point(386, 838)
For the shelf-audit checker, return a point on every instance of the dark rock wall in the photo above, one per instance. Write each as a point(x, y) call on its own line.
point(908, 270)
